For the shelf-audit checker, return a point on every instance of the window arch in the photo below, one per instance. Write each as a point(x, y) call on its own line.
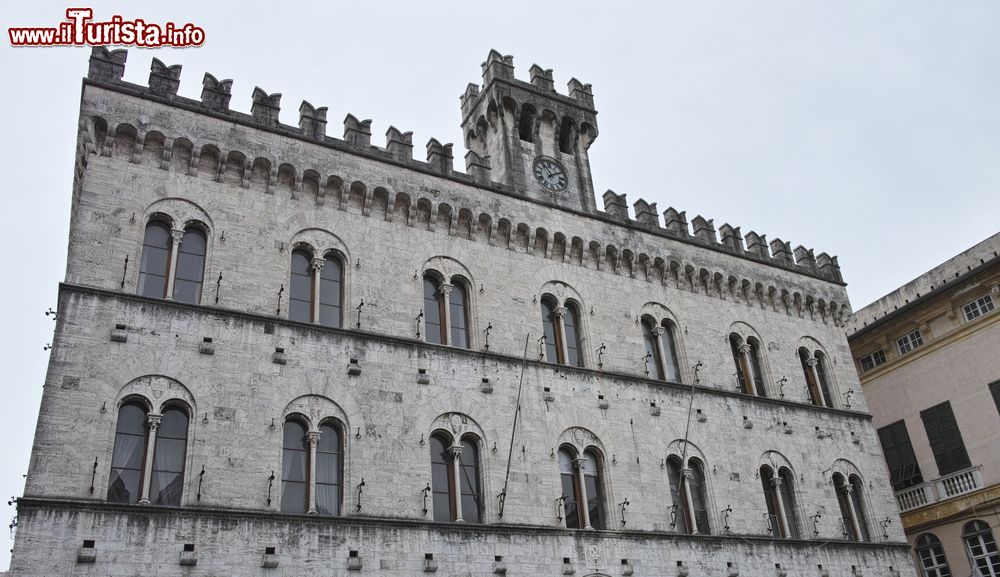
point(456, 486)
point(931, 555)
point(746, 358)
point(311, 467)
point(446, 310)
point(815, 370)
point(852, 511)
point(689, 512)
point(149, 456)
point(316, 288)
point(581, 479)
point(173, 262)
point(561, 329)
point(982, 548)
point(780, 497)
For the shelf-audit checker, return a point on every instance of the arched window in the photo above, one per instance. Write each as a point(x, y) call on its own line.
point(580, 479)
point(147, 464)
point(852, 512)
point(668, 341)
point(526, 126)
point(779, 494)
point(455, 484)
point(859, 507)
point(814, 369)
point(561, 328)
point(650, 338)
point(167, 480)
point(173, 262)
point(446, 311)
point(155, 260)
point(190, 266)
point(757, 375)
point(127, 458)
point(689, 513)
point(315, 289)
point(294, 464)
point(982, 548)
point(746, 358)
point(931, 555)
point(328, 470)
point(311, 468)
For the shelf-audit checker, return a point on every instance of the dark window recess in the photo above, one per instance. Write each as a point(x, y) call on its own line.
point(995, 390)
point(899, 458)
point(945, 439)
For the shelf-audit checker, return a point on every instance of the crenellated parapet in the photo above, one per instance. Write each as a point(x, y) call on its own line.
point(500, 94)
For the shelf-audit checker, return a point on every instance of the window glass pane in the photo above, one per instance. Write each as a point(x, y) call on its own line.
point(845, 514)
point(155, 259)
point(995, 391)
point(328, 471)
point(824, 385)
point(293, 468)
point(300, 287)
point(932, 559)
point(571, 322)
point(126, 460)
point(678, 502)
point(549, 328)
point(167, 480)
point(459, 321)
point(653, 362)
point(788, 496)
point(568, 484)
point(697, 485)
point(190, 267)
point(595, 496)
point(469, 478)
point(440, 479)
point(859, 507)
point(770, 498)
point(670, 351)
point(331, 293)
point(432, 312)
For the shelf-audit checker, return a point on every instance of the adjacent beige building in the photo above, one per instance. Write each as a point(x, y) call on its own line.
point(929, 358)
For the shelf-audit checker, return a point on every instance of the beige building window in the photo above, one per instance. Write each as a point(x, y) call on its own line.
point(982, 548)
point(870, 361)
point(909, 341)
point(978, 307)
point(931, 555)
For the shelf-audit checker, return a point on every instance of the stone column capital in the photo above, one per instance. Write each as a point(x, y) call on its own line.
point(455, 451)
point(580, 464)
point(445, 289)
point(153, 421)
point(317, 263)
point(744, 349)
point(312, 437)
point(658, 331)
point(560, 312)
point(847, 488)
point(177, 235)
point(776, 482)
point(812, 361)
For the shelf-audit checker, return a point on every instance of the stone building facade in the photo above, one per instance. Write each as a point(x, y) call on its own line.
point(929, 358)
point(283, 353)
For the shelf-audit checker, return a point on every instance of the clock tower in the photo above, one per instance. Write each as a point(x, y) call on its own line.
point(534, 139)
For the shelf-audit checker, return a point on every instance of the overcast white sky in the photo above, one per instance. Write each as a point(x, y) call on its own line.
point(869, 129)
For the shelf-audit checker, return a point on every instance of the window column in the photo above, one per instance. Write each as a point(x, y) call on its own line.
point(317, 272)
point(445, 291)
point(176, 237)
point(560, 314)
point(456, 476)
point(581, 465)
point(153, 421)
point(847, 489)
point(657, 333)
point(686, 473)
point(815, 389)
point(748, 375)
point(312, 439)
point(779, 499)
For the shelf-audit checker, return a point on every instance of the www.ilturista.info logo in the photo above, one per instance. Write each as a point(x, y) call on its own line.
point(80, 30)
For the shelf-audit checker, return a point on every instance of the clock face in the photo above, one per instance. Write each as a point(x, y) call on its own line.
point(550, 174)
